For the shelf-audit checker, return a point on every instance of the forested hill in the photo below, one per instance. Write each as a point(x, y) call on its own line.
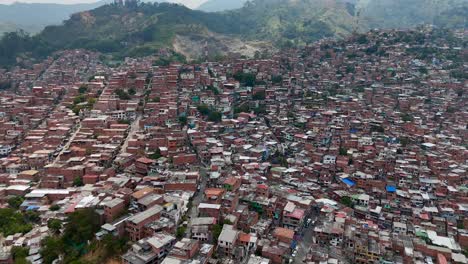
point(410, 13)
point(140, 30)
point(221, 5)
point(144, 28)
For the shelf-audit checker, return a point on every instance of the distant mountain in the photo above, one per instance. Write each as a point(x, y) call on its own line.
point(6, 27)
point(34, 17)
point(221, 5)
point(144, 29)
point(454, 17)
point(410, 13)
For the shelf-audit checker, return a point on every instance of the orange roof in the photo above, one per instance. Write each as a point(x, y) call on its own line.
point(441, 259)
point(230, 181)
point(284, 232)
point(145, 160)
point(213, 192)
point(142, 193)
point(244, 237)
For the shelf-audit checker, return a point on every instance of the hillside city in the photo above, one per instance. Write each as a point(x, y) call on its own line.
point(341, 151)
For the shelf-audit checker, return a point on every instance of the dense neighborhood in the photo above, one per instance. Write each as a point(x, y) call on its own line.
point(342, 151)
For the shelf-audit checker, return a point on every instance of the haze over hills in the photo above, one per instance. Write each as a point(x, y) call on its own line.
point(34, 17)
point(258, 25)
point(407, 14)
point(221, 5)
point(144, 29)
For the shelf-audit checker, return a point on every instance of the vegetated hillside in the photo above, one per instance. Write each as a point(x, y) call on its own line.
point(132, 31)
point(108, 27)
point(221, 5)
point(453, 17)
point(295, 21)
point(143, 29)
point(410, 13)
point(33, 17)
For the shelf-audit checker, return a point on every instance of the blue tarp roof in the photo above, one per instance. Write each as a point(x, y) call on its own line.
point(391, 188)
point(32, 207)
point(349, 182)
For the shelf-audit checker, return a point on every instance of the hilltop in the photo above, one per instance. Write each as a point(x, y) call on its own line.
point(221, 5)
point(33, 17)
point(410, 13)
point(257, 26)
point(143, 29)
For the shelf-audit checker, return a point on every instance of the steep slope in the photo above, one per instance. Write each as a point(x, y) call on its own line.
point(298, 21)
point(221, 5)
point(132, 31)
point(410, 13)
point(141, 30)
point(453, 17)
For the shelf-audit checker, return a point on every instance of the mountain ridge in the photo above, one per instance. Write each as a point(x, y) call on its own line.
point(33, 17)
point(221, 5)
point(260, 24)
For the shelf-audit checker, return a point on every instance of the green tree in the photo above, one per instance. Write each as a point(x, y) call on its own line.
point(91, 102)
point(215, 116)
point(15, 202)
point(55, 225)
point(247, 79)
point(407, 117)
point(122, 94)
point(12, 222)
point(81, 226)
point(82, 89)
point(203, 109)
point(277, 79)
point(113, 246)
point(244, 108)
point(217, 228)
point(259, 96)
point(156, 154)
point(32, 216)
point(350, 69)
point(213, 89)
point(346, 200)
point(78, 181)
point(51, 247)
point(180, 233)
point(343, 151)
point(54, 207)
point(79, 99)
point(19, 254)
point(124, 122)
point(183, 120)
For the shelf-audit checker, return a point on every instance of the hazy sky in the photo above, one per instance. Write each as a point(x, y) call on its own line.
point(189, 3)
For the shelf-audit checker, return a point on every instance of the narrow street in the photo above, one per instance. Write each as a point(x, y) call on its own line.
point(197, 199)
point(69, 141)
point(134, 127)
point(304, 245)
